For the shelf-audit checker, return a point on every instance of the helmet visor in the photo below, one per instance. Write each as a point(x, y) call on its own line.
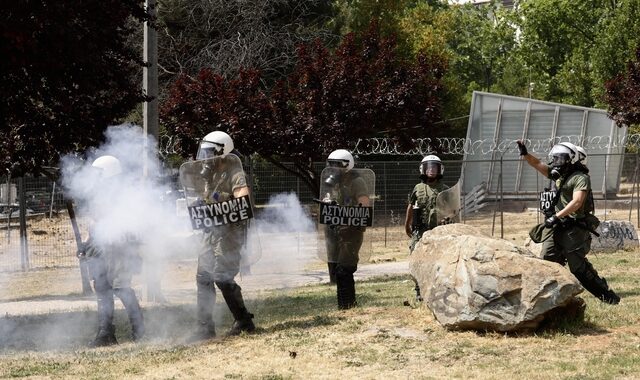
point(209, 149)
point(337, 163)
point(431, 168)
point(560, 159)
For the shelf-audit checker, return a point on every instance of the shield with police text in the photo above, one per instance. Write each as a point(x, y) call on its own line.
point(217, 195)
point(448, 205)
point(345, 210)
point(547, 204)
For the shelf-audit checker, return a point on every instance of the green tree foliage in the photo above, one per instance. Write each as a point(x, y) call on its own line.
point(574, 47)
point(481, 44)
point(478, 43)
point(623, 94)
point(615, 44)
point(329, 101)
point(66, 73)
point(356, 15)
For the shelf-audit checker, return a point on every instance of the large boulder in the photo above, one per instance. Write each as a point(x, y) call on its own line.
point(472, 281)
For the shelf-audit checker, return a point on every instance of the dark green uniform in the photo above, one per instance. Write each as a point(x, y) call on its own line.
point(571, 240)
point(220, 255)
point(112, 267)
point(344, 242)
point(424, 196)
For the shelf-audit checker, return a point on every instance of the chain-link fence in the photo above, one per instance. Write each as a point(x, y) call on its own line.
point(44, 236)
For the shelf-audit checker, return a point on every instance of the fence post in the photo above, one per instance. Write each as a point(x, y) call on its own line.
point(384, 171)
point(638, 197)
point(633, 188)
point(604, 190)
point(24, 248)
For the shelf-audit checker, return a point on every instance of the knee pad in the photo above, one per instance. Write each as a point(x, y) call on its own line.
point(345, 270)
point(125, 294)
point(227, 286)
point(101, 285)
point(204, 279)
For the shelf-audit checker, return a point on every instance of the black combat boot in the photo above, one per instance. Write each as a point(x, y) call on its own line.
point(243, 320)
point(346, 288)
point(418, 295)
point(206, 300)
point(131, 305)
point(106, 335)
point(597, 286)
point(332, 272)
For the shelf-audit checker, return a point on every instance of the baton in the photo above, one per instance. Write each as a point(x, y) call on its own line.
point(84, 265)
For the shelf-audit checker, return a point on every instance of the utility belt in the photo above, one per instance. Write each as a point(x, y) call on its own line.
point(588, 223)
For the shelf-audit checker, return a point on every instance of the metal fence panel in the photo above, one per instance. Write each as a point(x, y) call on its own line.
point(51, 242)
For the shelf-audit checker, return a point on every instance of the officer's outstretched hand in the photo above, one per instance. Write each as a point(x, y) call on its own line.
point(551, 221)
point(522, 148)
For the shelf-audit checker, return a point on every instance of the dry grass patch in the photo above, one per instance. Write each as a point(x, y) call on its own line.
point(302, 335)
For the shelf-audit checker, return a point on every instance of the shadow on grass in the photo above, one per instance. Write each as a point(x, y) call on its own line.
point(165, 324)
point(58, 297)
point(627, 293)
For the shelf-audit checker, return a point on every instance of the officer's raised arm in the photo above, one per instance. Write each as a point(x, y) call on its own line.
point(532, 160)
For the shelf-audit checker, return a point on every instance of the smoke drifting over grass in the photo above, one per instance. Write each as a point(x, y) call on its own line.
point(284, 236)
point(281, 240)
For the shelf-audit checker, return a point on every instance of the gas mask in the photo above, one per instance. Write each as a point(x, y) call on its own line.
point(207, 170)
point(333, 179)
point(559, 164)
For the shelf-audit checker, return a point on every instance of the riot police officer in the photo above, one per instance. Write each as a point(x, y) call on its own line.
point(570, 217)
point(219, 258)
point(346, 188)
point(111, 266)
point(421, 213)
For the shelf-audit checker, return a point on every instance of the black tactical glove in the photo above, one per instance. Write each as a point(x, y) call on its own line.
point(551, 221)
point(522, 148)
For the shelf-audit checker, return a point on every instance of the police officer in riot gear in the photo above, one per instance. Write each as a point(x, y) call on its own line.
point(570, 217)
point(112, 266)
point(421, 212)
point(344, 242)
point(219, 258)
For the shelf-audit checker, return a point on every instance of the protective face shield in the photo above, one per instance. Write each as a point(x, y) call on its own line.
point(109, 166)
point(561, 157)
point(431, 167)
point(215, 144)
point(340, 158)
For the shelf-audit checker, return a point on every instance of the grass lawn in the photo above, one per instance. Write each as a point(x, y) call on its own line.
point(302, 335)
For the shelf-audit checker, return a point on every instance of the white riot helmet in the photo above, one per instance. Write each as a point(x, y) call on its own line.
point(431, 166)
point(215, 144)
point(582, 155)
point(563, 153)
point(109, 166)
point(340, 158)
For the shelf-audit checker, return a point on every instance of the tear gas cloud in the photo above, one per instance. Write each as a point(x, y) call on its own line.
point(125, 207)
point(282, 238)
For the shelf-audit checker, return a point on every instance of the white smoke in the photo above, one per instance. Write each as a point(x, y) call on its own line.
point(282, 239)
point(130, 206)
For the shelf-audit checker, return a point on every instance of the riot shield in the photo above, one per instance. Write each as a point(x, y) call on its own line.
point(448, 205)
point(344, 213)
point(208, 190)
